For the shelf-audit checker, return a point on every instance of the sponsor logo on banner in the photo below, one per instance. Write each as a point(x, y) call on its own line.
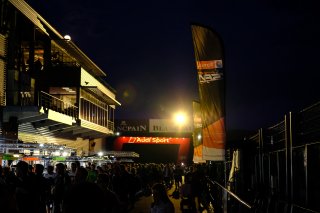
point(209, 77)
point(155, 142)
point(131, 126)
point(148, 140)
point(208, 65)
point(168, 125)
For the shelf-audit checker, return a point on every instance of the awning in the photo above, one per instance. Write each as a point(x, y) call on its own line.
point(30, 158)
point(108, 100)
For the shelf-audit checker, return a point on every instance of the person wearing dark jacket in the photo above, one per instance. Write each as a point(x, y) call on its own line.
point(61, 185)
point(161, 202)
point(25, 193)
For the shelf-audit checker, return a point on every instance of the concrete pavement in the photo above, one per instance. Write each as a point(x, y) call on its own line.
point(144, 203)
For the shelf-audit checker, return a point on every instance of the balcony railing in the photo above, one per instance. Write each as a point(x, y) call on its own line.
point(110, 125)
point(96, 113)
point(50, 102)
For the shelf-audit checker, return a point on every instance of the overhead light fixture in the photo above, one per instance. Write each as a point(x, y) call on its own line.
point(67, 37)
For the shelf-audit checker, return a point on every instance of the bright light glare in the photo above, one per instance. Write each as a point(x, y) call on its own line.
point(180, 118)
point(100, 154)
point(199, 137)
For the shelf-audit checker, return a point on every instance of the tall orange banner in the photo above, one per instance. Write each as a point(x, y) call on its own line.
point(210, 67)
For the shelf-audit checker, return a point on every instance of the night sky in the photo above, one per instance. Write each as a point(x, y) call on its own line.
point(146, 50)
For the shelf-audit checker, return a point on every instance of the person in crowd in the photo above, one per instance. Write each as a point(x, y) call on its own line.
point(92, 173)
point(161, 202)
point(72, 171)
point(50, 175)
point(78, 165)
point(7, 199)
point(9, 176)
point(42, 188)
point(113, 204)
point(178, 173)
point(30, 170)
point(25, 193)
point(81, 175)
point(197, 184)
point(167, 175)
point(61, 184)
point(187, 202)
point(120, 182)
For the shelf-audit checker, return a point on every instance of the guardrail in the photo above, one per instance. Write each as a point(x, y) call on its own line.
point(50, 102)
point(220, 200)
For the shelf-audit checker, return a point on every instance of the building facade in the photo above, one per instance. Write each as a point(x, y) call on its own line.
point(50, 91)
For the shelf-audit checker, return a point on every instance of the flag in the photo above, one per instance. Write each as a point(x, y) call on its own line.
point(208, 51)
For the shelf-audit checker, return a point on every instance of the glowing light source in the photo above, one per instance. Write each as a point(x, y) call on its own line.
point(180, 118)
point(67, 37)
point(100, 154)
point(199, 137)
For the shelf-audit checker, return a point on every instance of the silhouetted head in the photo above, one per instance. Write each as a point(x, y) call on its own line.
point(81, 175)
point(159, 192)
point(39, 169)
point(60, 168)
point(50, 169)
point(22, 169)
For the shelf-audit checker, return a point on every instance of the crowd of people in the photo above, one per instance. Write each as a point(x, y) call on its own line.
point(91, 188)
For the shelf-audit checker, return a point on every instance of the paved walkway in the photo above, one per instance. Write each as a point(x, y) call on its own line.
point(144, 203)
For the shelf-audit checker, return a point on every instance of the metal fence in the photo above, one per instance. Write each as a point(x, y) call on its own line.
point(285, 159)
